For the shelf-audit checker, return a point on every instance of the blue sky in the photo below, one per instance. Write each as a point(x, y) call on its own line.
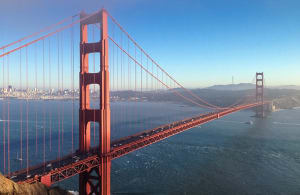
point(199, 42)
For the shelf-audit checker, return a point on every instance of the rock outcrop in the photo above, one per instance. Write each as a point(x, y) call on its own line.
point(8, 187)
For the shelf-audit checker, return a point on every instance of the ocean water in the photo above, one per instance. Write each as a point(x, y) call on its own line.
point(226, 156)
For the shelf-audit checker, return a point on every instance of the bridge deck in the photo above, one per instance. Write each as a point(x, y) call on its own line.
point(72, 164)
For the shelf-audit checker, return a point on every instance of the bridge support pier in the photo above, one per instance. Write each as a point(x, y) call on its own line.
point(96, 180)
point(260, 94)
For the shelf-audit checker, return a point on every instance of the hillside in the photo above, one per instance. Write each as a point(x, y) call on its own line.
point(9, 187)
point(283, 98)
point(240, 86)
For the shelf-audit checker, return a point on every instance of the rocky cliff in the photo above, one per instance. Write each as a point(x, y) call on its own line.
point(9, 187)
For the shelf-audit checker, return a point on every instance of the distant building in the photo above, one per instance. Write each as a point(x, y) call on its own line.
point(10, 88)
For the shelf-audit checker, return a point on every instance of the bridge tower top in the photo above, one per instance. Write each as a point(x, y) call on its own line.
point(260, 94)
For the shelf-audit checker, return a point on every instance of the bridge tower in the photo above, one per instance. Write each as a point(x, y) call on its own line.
point(260, 94)
point(96, 180)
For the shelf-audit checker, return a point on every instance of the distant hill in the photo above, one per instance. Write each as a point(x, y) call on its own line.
point(295, 87)
point(220, 95)
point(233, 87)
point(247, 86)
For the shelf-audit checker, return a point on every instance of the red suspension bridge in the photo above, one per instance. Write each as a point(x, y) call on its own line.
point(42, 67)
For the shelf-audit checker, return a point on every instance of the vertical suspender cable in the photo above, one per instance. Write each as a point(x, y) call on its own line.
point(72, 82)
point(157, 83)
point(140, 107)
point(44, 111)
point(27, 144)
point(117, 78)
point(152, 77)
point(128, 75)
point(62, 89)
point(135, 84)
point(3, 109)
point(121, 78)
point(8, 126)
point(58, 89)
point(147, 75)
point(50, 109)
point(73, 89)
point(36, 127)
point(21, 112)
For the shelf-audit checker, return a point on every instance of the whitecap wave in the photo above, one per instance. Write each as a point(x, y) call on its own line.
point(73, 192)
point(280, 123)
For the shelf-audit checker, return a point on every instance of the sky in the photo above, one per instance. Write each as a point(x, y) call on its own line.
point(199, 42)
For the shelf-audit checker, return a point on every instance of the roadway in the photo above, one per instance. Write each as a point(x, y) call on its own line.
point(59, 169)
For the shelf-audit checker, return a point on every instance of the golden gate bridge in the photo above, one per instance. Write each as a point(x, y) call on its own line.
point(43, 66)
